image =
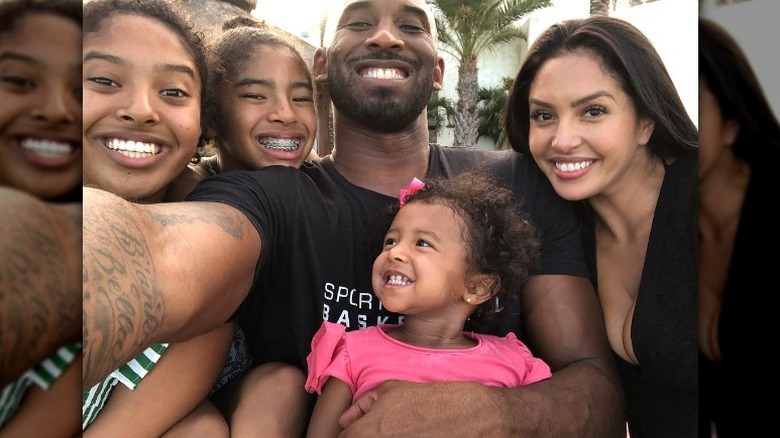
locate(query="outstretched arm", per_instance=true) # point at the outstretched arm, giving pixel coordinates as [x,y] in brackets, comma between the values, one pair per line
[40,303]
[158,273]
[583,398]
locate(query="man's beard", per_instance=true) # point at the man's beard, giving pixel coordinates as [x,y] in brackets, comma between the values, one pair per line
[382,109]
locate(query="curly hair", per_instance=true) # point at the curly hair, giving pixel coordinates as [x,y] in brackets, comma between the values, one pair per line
[500,239]
[170,13]
[243,21]
[12,11]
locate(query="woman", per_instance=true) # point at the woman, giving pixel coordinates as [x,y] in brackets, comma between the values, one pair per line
[595,107]
[740,140]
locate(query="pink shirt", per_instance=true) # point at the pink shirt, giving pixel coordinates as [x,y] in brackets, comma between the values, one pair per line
[365,358]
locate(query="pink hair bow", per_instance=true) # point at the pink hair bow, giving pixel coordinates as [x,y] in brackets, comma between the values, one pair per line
[413,188]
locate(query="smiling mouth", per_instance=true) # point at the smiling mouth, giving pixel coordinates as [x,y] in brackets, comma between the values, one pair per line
[382,73]
[397,280]
[280,144]
[571,167]
[133,149]
[48,148]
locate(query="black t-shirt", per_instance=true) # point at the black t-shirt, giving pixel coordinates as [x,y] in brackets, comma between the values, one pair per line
[320,235]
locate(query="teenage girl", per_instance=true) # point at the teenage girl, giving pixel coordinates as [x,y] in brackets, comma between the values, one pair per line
[143,100]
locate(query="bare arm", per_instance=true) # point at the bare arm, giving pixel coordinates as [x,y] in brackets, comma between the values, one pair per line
[52,412]
[158,273]
[270,397]
[335,399]
[583,398]
[180,381]
[40,304]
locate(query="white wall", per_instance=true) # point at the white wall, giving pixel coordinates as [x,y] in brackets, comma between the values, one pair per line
[673,28]
[671,25]
[503,61]
[755,27]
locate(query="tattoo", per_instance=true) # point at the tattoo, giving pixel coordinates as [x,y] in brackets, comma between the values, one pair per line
[230,224]
[39,301]
[123,308]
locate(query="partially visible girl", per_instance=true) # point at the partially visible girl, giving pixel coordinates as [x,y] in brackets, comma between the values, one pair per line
[144,79]
[40,119]
[263,112]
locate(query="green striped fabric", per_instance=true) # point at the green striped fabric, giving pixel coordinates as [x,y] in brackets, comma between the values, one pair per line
[129,374]
[44,375]
[10,397]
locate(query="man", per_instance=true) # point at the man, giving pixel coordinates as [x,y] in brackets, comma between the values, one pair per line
[281,249]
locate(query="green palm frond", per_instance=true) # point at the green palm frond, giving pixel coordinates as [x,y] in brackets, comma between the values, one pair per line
[469,27]
[440,108]
[492,103]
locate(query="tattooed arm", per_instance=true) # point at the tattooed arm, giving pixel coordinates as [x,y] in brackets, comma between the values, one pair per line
[40,257]
[158,273]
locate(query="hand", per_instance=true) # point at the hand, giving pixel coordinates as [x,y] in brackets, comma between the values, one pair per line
[403,409]
[360,406]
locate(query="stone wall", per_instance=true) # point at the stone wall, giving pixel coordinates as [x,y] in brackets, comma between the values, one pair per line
[210,14]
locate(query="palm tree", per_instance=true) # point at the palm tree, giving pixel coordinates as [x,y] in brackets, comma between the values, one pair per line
[439,110]
[325,135]
[599,7]
[467,28]
[492,103]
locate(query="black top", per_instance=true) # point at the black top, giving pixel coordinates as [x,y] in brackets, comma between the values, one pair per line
[320,235]
[662,392]
[734,392]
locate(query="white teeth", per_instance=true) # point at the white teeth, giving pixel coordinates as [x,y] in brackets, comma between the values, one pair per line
[398,280]
[46,147]
[280,144]
[571,167]
[382,73]
[133,149]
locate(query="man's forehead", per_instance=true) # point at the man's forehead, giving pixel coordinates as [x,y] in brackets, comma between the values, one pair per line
[339,7]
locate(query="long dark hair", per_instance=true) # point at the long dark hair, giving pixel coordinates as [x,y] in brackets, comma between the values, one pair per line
[630,58]
[730,78]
